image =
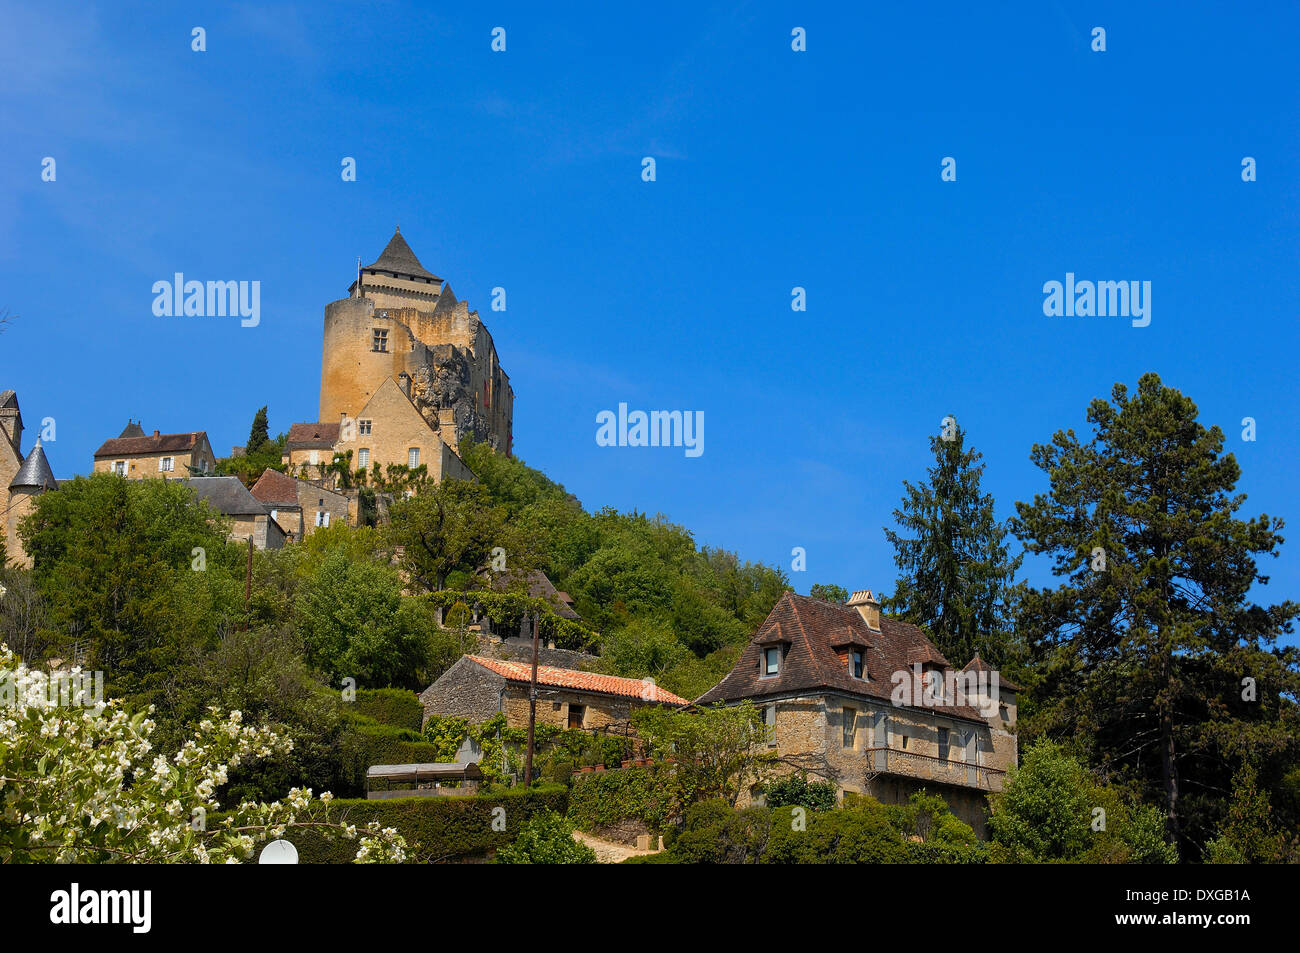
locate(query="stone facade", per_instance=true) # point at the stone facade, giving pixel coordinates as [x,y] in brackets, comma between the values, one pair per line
[869,704]
[22,479]
[477,688]
[402,324]
[166,456]
[389,431]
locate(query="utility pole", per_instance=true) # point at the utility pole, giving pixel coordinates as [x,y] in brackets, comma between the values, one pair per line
[532,711]
[248,581]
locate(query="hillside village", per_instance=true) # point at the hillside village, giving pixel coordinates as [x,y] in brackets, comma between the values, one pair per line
[403,561]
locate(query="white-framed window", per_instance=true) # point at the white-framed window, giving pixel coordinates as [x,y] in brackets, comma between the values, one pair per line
[363,457]
[363,427]
[166,464]
[119,467]
[771,661]
[322,518]
[314,458]
[413,457]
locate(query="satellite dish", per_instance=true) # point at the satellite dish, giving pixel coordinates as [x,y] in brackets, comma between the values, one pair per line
[278,852]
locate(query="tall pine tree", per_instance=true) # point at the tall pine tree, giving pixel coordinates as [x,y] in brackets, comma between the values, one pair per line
[956,571]
[1154,655]
[259,435]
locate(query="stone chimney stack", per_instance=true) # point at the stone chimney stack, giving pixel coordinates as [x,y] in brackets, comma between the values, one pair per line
[404,381]
[868,607]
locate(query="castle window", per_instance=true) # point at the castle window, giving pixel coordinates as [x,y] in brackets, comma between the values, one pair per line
[363,457]
[363,427]
[380,342]
[413,457]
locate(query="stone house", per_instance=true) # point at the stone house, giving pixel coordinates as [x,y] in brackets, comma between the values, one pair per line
[389,430]
[299,507]
[871,705]
[477,687]
[309,449]
[249,518]
[140,456]
[22,479]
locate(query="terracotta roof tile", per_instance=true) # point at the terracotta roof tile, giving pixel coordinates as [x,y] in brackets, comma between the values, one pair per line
[275,487]
[580,681]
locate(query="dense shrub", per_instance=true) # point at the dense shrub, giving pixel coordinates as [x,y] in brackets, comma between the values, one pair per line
[856,835]
[607,799]
[796,789]
[546,839]
[390,706]
[437,828]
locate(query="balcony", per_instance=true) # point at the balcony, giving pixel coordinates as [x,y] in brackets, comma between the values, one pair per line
[929,768]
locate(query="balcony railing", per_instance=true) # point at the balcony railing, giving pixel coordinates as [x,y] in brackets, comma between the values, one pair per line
[929,768]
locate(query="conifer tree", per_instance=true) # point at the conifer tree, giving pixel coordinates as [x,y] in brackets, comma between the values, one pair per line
[259,435]
[1155,657]
[956,569]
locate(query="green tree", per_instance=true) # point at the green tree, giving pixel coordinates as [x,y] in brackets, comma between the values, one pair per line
[1052,809]
[956,571]
[452,526]
[355,623]
[1144,646]
[1248,834]
[718,750]
[258,436]
[830,593]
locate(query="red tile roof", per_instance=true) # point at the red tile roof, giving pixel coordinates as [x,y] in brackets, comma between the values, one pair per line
[276,487]
[580,681]
[154,443]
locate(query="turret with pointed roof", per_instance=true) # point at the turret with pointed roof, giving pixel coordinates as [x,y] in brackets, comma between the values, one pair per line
[35,473]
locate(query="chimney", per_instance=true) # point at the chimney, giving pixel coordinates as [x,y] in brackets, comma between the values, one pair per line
[404,381]
[868,607]
[155,433]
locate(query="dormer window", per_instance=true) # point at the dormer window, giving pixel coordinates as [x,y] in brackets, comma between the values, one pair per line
[857,664]
[771,661]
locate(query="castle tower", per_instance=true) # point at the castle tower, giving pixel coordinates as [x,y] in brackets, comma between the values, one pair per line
[34,477]
[401,322]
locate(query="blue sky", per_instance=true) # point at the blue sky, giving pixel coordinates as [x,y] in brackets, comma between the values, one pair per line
[775,169]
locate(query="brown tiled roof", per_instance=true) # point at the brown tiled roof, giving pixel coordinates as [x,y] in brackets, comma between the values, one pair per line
[813,629]
[554,677]
[276,487]
[977,664]
[312,436]
[153,443]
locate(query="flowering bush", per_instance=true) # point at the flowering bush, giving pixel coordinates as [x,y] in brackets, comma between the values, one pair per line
[84,785]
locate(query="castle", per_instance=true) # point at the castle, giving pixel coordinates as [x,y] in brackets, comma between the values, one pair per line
[22,479]
[403,324]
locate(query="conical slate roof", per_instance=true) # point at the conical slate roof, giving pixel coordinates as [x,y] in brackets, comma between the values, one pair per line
[400,260]
[35,472]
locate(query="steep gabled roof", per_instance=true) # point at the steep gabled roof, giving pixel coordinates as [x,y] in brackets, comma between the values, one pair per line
[275,488]
[814,631]
[312,436]
[977,664]
[398,259]
[153,443]
[226,495]
[570,678]
[35,472]
[132,429]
